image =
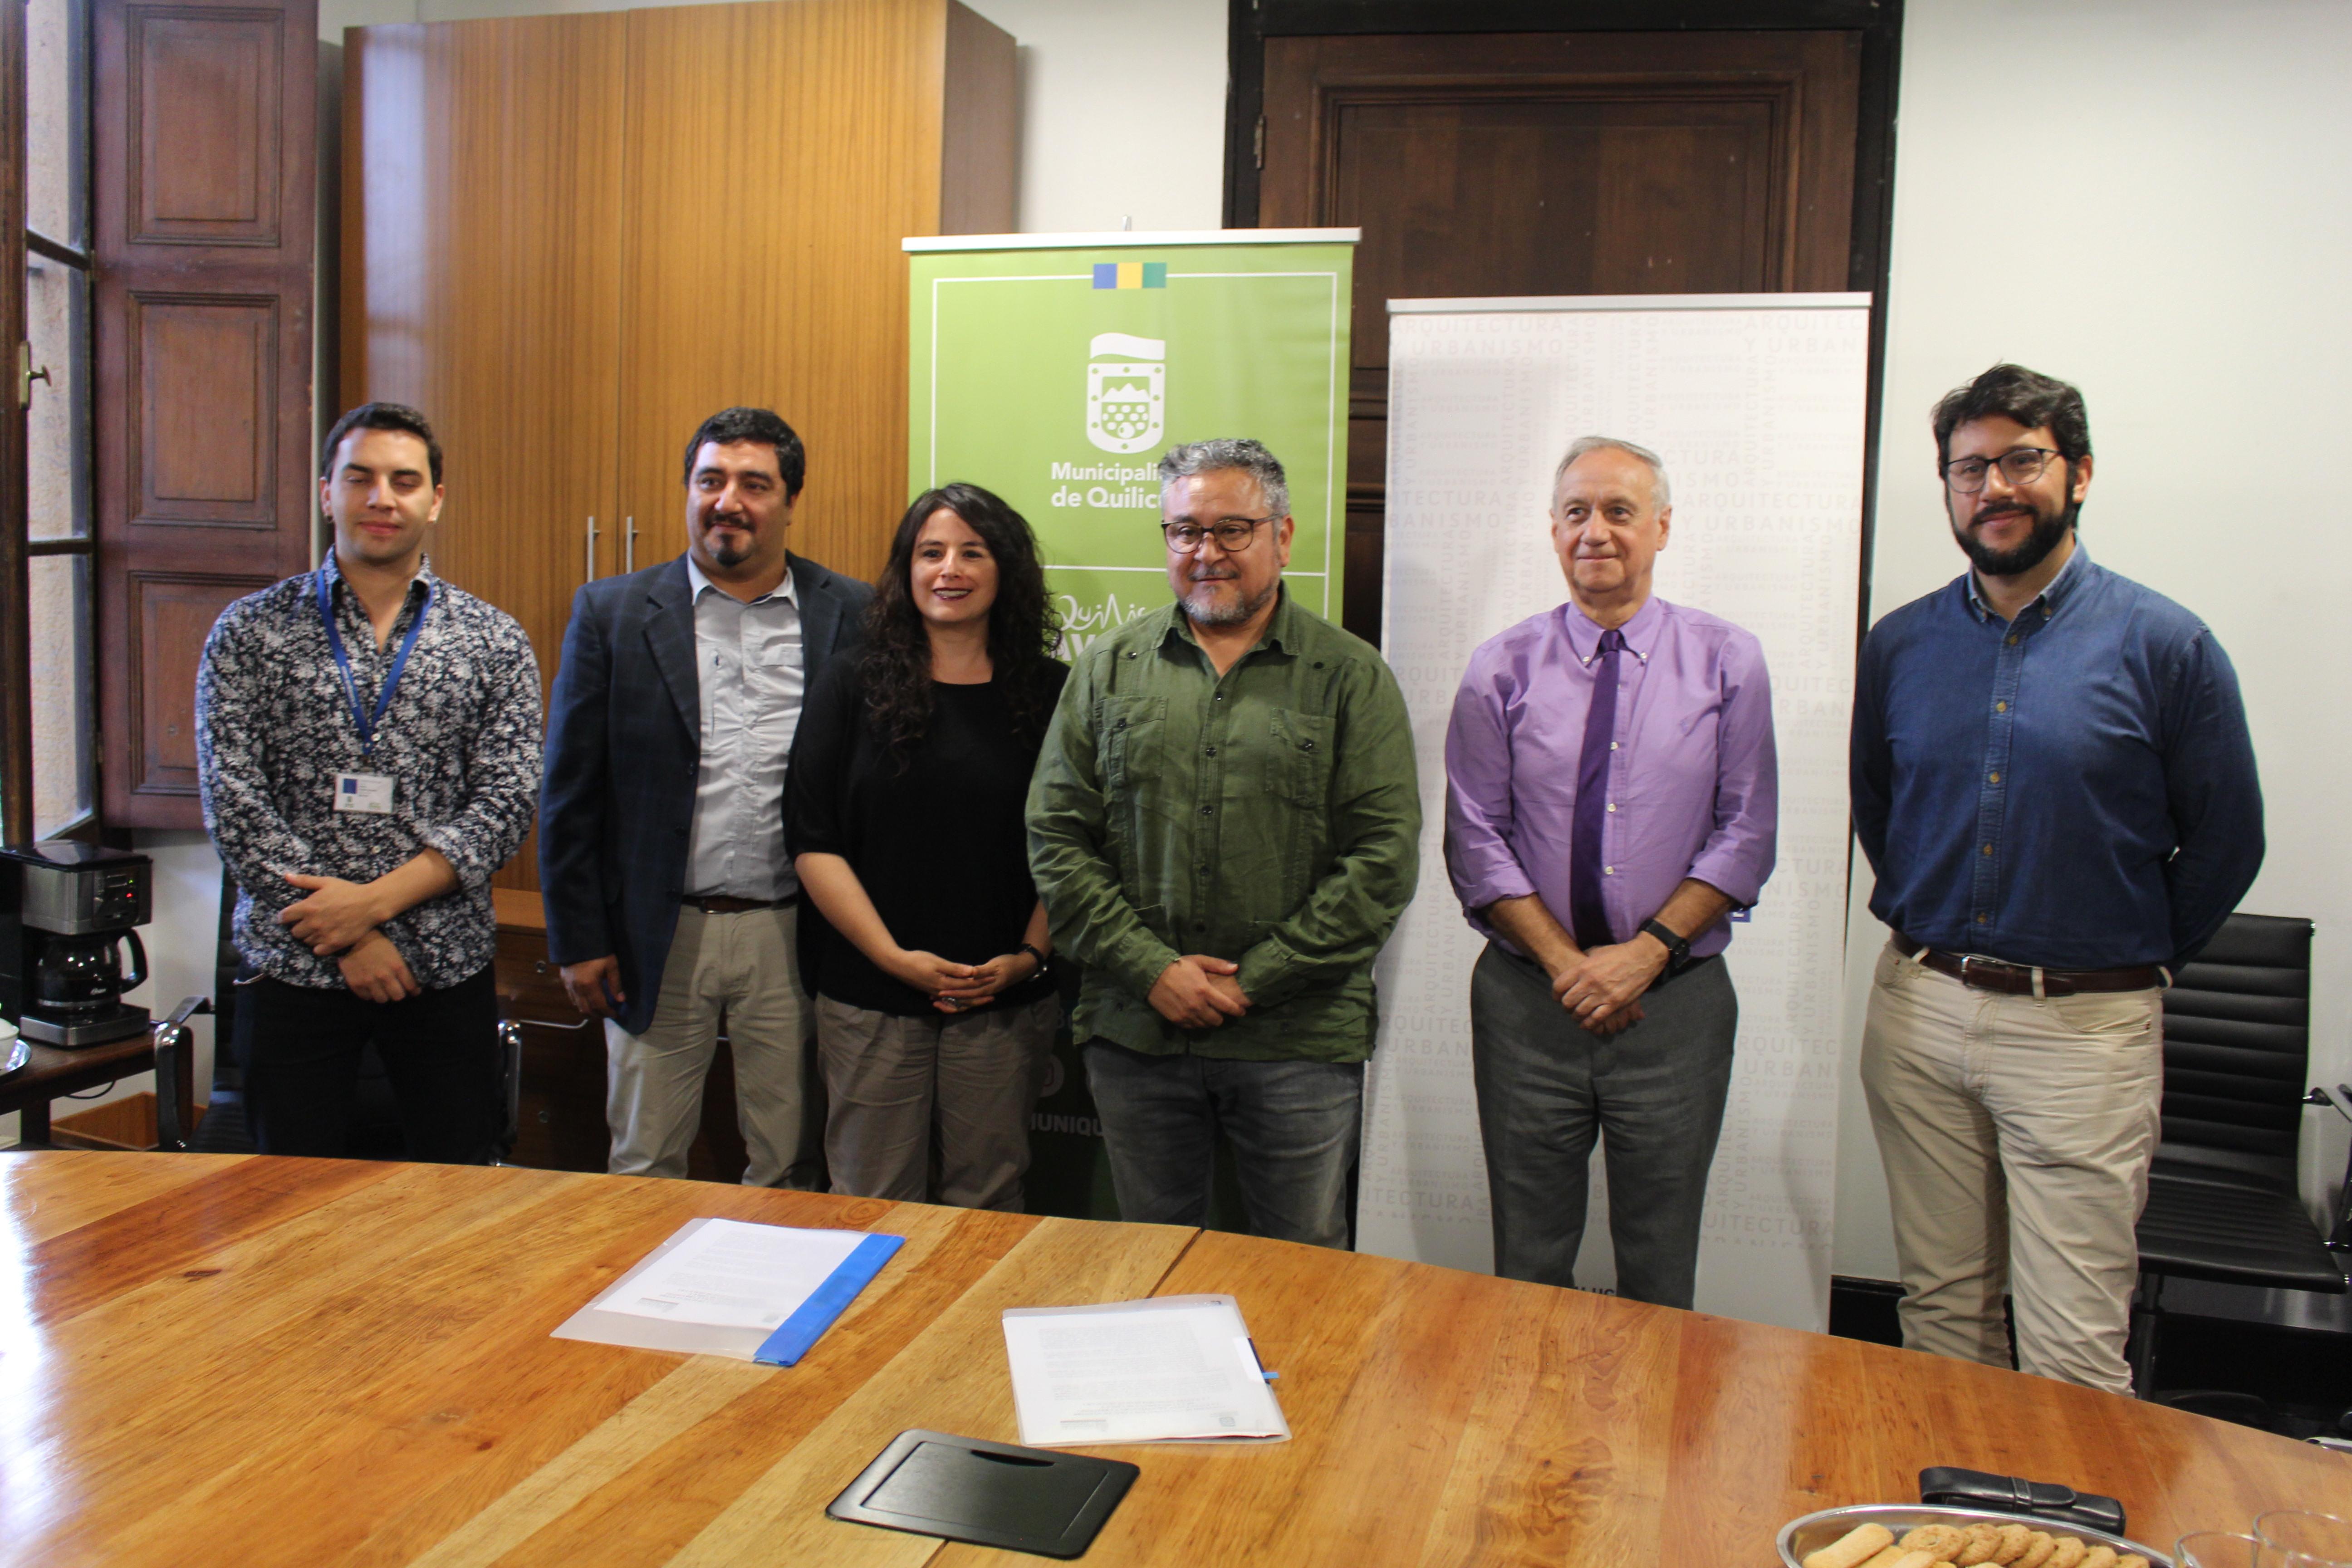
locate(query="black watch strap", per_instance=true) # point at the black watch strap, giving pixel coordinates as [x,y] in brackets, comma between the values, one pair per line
[1677,948]
[1031,950]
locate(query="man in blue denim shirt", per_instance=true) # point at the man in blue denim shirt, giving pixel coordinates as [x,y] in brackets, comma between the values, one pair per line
[2054,782]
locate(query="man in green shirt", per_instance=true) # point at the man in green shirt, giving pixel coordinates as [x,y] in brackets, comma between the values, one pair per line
[1224,827]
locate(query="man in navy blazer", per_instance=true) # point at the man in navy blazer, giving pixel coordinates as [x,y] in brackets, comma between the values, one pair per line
[671,906]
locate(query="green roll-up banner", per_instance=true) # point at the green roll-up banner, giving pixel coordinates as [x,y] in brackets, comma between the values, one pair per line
[1053,370]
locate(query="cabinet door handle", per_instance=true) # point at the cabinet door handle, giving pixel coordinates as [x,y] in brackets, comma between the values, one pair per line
[592,549]
[629,545]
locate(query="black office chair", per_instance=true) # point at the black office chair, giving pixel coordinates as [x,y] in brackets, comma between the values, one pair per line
[2223,1203]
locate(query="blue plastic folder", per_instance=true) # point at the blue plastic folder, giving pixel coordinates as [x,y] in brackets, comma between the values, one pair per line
[796,1333]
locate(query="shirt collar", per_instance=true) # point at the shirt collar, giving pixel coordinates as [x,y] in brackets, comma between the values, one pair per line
[2071,577]
[1280,632]
[422,583]
[697,582]
[1641,633]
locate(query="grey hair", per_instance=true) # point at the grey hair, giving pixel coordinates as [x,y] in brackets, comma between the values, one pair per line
[1181,462]
[1584,445]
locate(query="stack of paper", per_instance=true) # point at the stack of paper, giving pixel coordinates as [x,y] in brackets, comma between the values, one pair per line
[1176,1368]
[723,1287]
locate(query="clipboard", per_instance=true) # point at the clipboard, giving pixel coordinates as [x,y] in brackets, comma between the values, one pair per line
[989,1494]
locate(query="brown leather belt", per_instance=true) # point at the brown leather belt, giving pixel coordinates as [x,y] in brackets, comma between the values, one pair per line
[2016,979]
[720,904]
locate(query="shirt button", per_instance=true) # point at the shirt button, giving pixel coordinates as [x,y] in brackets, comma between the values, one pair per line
[2013,639]
[1987,849]
[1984,919]
[1212,751]
[1612,805]
[1994,777]
[1608,870]
[1612,745]
[1221,697]
[1208,811]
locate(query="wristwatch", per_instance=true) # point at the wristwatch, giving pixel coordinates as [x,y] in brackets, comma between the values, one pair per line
[1031,950]
[1677,948]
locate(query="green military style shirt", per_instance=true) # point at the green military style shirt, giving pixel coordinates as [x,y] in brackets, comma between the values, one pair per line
[1270,817]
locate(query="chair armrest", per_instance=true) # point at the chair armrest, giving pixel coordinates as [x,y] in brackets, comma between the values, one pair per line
[510,1085]
[175,1073]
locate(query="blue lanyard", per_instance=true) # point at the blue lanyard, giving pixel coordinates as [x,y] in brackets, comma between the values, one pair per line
[359,716]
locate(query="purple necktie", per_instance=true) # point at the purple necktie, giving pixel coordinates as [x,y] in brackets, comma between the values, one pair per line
[1585,912]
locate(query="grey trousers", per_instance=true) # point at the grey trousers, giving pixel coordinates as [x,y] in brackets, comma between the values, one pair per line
[889,1080]
[1653,1094]
[738,971]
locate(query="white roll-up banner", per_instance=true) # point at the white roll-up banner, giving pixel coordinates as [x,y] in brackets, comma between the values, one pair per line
[1756,403]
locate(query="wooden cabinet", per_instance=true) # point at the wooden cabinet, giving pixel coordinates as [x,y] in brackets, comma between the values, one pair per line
[569,238]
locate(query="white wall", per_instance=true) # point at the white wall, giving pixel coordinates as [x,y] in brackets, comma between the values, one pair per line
[2150,198]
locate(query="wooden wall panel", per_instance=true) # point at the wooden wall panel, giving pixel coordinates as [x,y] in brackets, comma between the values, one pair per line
[202,129]
[763,205]
[170,615]
[482,268]
[205,131]
[205,447]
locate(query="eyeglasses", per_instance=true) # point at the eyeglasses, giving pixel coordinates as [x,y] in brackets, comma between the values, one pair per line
[1233,534]
[2019,466]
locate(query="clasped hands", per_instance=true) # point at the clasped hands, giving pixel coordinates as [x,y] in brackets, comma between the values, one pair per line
[1199,992]
[337,919]
[960,988]
[1602,987]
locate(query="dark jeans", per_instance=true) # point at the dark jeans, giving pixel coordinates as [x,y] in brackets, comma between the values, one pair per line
[1293,1127]
[301,1047]
[1654,1094]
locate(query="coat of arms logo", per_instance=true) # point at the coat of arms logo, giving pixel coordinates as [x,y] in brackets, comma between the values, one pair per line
[1126,391]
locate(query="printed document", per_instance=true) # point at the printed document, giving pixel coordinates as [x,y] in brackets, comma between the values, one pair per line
[735,1275]
[1172,1370]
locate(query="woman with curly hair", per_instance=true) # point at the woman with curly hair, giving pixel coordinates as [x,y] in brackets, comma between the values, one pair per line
[903,813]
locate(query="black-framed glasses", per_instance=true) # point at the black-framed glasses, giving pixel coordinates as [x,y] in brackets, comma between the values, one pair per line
[2019,466]
[1233,534]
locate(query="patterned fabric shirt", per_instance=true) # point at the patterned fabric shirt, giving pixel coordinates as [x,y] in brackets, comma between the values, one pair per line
[460,742]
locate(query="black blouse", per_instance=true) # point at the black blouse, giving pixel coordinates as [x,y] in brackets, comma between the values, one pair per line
[938,839]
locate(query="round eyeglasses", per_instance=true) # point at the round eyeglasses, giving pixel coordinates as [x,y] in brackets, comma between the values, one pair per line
[2019,466]
[1233,534]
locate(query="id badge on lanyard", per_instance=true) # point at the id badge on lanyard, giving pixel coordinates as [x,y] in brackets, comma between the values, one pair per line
[367,793]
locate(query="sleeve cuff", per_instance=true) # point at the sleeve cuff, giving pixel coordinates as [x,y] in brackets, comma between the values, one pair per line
[1268,972]
[1730,873]
[458,848]
[1140,963]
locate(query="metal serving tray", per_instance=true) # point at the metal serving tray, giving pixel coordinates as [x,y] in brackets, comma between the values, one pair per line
[1815,1531]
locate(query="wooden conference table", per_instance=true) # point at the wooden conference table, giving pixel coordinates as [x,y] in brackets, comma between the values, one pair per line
[251,1361]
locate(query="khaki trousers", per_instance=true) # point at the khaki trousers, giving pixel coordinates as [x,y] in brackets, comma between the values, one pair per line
[2016,1132]
[738,971]
[888,1081]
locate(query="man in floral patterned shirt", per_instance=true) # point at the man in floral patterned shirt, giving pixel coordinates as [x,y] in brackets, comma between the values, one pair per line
[368,743]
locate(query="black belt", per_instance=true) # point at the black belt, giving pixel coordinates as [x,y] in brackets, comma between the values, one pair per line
[722,904]
[2021,979]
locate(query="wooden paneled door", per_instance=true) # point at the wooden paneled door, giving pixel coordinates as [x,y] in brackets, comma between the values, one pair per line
[203,135]
[1549,164]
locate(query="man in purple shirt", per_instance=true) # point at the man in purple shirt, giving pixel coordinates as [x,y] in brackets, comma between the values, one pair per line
[1611,796]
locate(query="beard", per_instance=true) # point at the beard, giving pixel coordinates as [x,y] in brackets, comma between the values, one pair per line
[1203,606]
[2049,530]
[729,555]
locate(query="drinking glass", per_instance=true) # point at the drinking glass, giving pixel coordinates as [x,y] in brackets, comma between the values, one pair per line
[2216,1549]
[2298,1538]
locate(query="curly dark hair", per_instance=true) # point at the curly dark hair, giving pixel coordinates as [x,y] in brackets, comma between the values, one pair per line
[1023,628]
